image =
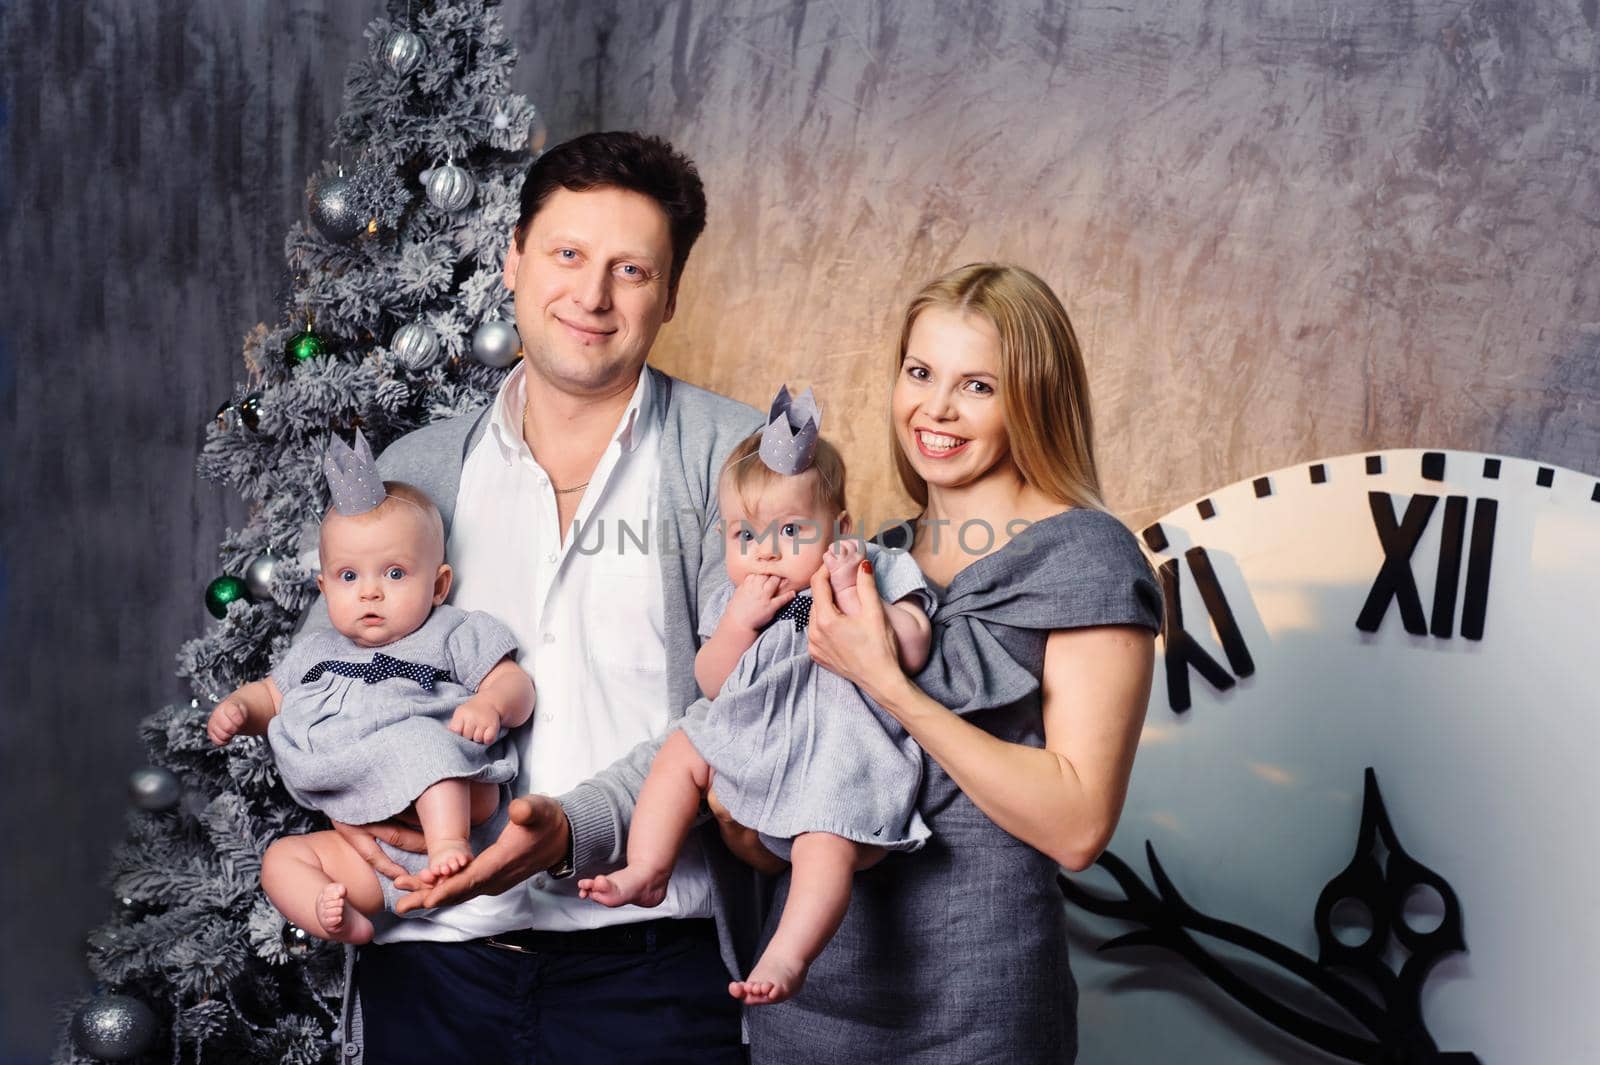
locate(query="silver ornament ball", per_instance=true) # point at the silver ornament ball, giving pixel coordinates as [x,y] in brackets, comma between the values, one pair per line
[114,1028]
[258,577]
[334,210]
[154,788]
[450,188]
[416,345]
[296,941]
[496,344]
[403,51]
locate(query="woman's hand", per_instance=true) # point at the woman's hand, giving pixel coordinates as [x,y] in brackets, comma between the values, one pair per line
[745,843]
[860,648]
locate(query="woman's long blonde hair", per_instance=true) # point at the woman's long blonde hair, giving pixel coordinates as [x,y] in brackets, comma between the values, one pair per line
[1042,380]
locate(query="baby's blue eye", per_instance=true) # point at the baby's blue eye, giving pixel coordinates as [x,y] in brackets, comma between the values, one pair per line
[744,535]
[567,254]
[396,573]
[790,530]
[347,575]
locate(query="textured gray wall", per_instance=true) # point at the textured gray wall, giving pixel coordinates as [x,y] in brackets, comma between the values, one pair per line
[1285,231]
[155,154]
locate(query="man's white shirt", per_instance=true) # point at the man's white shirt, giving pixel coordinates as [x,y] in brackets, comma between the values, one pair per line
[587,614]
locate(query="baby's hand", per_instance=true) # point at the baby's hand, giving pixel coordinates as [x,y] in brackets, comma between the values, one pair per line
[476,721]
[757,601]
[227,718]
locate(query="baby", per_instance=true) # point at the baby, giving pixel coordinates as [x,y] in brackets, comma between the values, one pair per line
[826,778]
[364,736]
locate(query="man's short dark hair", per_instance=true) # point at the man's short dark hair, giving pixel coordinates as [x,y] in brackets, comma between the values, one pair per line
[622,160]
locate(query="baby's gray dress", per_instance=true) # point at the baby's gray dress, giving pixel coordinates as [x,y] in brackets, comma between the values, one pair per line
[958,954]
[361,752]
[798,749]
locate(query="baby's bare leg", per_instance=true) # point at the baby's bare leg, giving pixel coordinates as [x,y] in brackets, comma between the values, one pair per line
[667,805]
[321,884]
[819,894]
[485,800]
[445,809]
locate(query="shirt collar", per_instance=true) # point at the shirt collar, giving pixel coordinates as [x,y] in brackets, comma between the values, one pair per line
[505,424]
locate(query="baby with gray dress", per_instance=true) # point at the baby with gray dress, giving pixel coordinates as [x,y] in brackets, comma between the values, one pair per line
[827,779]
[398,710]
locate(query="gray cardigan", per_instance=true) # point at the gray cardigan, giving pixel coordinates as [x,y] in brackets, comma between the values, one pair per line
[699,429]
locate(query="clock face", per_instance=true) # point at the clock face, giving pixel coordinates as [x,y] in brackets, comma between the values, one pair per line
[1424,614]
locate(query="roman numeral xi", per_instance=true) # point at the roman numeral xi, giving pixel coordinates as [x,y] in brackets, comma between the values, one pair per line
[1182,650]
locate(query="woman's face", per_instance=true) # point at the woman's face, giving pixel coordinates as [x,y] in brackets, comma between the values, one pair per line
[948,416]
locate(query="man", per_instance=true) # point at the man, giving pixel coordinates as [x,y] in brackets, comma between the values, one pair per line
[582,432]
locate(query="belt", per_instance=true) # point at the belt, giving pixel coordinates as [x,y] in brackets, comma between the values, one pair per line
[637,938]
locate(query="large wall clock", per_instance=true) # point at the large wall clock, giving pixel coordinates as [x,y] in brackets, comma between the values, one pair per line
[1360,825]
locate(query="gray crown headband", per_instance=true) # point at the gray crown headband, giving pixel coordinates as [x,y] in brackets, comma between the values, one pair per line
[789,441]
[353,476]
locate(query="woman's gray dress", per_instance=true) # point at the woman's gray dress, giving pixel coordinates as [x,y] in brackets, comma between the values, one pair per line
[958,953]
[363,751]
[799,749]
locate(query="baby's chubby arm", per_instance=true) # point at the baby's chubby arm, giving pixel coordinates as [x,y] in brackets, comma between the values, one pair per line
[247,710]
[504,699]
[754,604]
[913,633]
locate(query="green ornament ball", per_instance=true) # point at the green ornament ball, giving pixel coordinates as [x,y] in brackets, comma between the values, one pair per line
[305,345]
[221,592]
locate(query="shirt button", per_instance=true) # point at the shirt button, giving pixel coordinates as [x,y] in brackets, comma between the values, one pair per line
[550,558]
[549,637]
[543,480]
[541,881]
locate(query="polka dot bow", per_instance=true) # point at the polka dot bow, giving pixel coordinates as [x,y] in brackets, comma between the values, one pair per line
[382,667]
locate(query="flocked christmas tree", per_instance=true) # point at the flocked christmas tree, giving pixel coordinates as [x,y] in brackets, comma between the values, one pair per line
[398,317]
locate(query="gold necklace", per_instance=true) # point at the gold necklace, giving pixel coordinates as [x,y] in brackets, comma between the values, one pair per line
[558,491]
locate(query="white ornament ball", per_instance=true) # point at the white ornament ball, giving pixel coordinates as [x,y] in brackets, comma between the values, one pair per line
[416,345]
[450,188]
[496,344]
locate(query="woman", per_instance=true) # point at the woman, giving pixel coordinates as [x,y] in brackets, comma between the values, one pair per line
[1029,710]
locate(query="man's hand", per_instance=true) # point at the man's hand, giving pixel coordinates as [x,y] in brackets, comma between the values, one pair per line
[476,720]
[756,601]
[536,839]
[364,838]
[227,718]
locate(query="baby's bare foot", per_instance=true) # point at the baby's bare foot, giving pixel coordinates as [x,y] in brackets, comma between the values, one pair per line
[639,886]
[341,922]
[771,981]
[447,857]
[842,559]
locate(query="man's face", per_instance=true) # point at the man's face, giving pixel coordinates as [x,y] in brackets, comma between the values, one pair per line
[591,284]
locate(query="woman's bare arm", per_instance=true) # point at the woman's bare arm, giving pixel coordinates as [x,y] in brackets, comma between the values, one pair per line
[1063,799]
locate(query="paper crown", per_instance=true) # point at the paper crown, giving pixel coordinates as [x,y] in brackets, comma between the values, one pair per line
[353,476]
[789,441]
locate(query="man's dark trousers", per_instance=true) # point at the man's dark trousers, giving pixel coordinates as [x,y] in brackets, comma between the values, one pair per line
[663,1001]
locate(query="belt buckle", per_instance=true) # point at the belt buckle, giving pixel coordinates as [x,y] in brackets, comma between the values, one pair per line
[493,942]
